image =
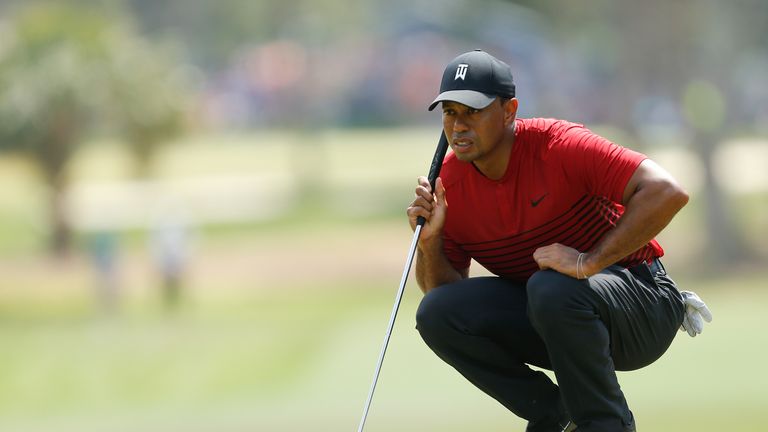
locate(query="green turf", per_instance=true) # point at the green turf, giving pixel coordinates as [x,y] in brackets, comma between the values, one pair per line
[302,360]
[285,317]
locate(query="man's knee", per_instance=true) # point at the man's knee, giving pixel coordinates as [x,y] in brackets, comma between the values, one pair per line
[431,316]
[548,294]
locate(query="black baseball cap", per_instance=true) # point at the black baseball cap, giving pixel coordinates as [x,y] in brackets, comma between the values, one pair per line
[475,79]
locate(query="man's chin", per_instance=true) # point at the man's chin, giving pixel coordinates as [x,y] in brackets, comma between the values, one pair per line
[464,157]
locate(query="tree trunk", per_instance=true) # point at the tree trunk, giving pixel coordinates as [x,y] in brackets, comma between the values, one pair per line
[61,229]
[726,245]
[52,157]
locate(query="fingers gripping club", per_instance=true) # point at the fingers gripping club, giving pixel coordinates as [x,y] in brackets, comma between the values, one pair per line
[434,169]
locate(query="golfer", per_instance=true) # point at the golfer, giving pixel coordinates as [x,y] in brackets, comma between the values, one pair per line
[565,220]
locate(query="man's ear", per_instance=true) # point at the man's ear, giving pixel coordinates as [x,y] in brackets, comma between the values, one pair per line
[510,111]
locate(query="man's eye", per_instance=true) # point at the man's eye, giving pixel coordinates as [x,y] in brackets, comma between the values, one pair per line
[473,111]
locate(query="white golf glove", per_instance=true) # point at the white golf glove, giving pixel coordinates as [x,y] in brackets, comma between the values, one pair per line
[696,312]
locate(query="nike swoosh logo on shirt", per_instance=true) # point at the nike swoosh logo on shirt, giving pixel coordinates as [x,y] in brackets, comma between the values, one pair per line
[534,203]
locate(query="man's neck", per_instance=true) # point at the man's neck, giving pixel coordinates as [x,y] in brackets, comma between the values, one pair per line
[496,166]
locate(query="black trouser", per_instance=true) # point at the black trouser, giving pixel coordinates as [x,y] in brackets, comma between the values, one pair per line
[490,329]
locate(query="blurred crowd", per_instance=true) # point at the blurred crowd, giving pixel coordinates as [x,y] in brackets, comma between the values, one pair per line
[331,64]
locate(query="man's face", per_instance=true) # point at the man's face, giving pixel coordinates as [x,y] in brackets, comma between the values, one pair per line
[475,134]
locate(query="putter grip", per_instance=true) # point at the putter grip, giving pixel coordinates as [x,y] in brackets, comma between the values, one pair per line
[434,169]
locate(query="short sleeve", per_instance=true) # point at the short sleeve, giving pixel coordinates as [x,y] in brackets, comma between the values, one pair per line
[604,168]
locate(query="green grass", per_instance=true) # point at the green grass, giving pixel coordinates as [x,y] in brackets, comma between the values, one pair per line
[301,359]
[75,365]
[284,318]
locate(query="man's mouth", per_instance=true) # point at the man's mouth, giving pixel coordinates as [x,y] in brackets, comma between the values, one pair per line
[461,144]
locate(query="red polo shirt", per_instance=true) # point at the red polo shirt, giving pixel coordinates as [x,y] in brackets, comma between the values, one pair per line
[563,185]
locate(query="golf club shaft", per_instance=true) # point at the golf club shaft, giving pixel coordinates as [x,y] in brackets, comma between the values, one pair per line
[398,299]
[434,171]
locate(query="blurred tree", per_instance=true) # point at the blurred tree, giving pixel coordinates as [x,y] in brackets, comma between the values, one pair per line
[215,32]
[49,77]
[64,70]
[147,97]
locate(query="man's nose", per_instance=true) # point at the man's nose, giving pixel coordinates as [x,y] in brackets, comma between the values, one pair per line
[459,125]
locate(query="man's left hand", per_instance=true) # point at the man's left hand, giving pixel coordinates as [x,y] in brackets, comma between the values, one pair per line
[560,258]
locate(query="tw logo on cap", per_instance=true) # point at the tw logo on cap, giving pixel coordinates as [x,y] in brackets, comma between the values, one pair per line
[461,71]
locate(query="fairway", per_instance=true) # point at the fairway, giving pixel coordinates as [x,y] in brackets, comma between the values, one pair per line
[283,313]
[299,356]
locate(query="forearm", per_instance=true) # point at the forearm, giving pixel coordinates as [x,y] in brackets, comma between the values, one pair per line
[432,266]
[647,212]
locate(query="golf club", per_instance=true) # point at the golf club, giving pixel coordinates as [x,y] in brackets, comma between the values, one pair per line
[434,171]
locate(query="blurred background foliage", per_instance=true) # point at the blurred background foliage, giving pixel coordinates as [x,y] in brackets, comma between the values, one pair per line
[66,72]
[186,187]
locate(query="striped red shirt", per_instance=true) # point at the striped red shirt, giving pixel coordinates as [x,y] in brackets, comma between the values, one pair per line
[563,184]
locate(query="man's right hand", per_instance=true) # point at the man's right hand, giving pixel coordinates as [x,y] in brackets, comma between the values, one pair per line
[430,207]
[432,266]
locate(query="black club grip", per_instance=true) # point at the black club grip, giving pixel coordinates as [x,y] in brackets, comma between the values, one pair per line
[434,169]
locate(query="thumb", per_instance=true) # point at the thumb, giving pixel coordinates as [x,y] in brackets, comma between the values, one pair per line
[440,193]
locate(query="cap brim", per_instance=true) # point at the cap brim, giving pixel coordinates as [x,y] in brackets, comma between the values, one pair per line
[470,98]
